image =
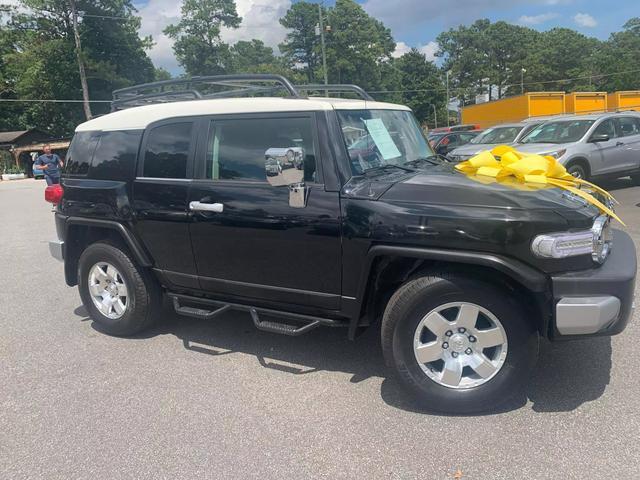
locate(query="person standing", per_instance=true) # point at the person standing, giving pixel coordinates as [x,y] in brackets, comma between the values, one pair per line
[50,164]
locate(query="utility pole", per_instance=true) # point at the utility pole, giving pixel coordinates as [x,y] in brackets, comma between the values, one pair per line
[447,103]
[522,72]
[83,75]
[324,53]
[435,115]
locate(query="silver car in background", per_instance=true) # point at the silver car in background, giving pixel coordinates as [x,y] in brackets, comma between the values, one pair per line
[499,135]
[596,145]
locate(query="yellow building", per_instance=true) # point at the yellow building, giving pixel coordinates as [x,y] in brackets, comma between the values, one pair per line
[514,109]
[624,100]
[585,102]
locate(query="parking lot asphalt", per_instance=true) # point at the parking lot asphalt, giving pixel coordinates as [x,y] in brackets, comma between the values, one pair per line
[219,399]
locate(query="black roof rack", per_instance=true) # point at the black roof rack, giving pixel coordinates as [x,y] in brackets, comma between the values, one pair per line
[336,88]
[196,88]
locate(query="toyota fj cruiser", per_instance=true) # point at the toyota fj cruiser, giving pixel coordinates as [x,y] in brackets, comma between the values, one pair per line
[308,212]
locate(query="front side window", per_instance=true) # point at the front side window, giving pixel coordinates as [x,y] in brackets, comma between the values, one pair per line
[375,138]
[167,151]
[274,149]
[564,131]
[606,128]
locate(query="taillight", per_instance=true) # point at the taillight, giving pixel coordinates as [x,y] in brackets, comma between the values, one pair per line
[53,194]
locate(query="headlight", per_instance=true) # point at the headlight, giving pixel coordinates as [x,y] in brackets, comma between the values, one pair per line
[557,154]
[597,242]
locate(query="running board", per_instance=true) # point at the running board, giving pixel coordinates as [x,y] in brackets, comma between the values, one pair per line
[310,322]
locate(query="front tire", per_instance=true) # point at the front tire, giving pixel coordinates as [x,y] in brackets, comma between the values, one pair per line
[121,298]
[635,178]
[578,171]
[458,344]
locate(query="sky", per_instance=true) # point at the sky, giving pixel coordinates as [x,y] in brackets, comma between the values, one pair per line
[414,23]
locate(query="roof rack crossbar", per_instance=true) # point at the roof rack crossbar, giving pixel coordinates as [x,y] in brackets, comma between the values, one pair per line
[337,88]
[130,95]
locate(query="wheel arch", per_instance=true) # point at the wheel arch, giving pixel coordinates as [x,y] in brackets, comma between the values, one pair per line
[389,267]
[82,232]
[583,162]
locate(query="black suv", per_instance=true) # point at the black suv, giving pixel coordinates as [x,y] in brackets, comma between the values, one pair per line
[308,212]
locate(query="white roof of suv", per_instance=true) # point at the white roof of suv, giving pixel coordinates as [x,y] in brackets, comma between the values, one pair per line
[138,118]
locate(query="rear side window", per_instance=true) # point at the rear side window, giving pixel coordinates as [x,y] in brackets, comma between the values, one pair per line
[80,153]
[628,126]
[115,156]
[167,151]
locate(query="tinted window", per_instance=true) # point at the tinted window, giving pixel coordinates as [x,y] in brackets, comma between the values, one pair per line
[498,135]
[80,153]
[115,155]
[167,151]
[605,128]
[628,126]
[238,149]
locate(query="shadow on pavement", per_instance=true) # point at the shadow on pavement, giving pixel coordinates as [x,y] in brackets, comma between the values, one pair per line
[567,375]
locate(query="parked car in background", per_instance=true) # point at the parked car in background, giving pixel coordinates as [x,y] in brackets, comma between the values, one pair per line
[491,137]
[456,128]
[37,172]
[597,145]
[444,143]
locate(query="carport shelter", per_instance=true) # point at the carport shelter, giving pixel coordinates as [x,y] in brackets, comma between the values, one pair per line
[22,143]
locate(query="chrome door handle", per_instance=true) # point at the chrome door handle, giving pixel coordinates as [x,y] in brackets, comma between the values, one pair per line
[206,207]
[619,144]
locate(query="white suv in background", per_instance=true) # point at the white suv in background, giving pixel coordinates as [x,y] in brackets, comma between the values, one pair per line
[597,145]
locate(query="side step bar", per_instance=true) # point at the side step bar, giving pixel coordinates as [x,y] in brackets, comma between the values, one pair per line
[310,322]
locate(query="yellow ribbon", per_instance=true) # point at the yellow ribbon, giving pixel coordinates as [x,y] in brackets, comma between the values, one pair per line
[519,169]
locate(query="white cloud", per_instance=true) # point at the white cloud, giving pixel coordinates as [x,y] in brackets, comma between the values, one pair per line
[260,19]
[585,20]
[429,50]
[401,49]
[537,19]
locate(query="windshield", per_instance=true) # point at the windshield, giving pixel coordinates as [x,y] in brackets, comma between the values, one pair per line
[377,138]
[498,135]
[565,131]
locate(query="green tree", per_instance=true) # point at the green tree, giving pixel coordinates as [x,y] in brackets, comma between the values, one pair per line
[422,89]
[562,54]
[250,56]
[620,53]
[301,45]
[198,46]
[41,63]
[357,46]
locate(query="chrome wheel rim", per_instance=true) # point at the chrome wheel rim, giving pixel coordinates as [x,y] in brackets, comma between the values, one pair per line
[108,290]
[460,345]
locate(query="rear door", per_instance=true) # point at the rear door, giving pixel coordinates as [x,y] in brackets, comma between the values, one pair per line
[248,240]
[629,142]
[161,192]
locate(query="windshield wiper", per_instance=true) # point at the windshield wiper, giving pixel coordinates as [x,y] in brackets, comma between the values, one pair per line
[387,165]
[432,159]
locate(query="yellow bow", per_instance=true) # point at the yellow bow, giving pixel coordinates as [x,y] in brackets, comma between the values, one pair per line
[518,167]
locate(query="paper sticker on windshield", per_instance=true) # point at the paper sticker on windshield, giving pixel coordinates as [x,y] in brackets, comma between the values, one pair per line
[382,139]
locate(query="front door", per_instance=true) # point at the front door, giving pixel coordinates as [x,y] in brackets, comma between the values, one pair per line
[248,240]
[605,156]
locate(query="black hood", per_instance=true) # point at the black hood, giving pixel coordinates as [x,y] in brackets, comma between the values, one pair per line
[443,185]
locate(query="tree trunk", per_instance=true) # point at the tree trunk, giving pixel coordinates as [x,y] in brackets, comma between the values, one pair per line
[83,75]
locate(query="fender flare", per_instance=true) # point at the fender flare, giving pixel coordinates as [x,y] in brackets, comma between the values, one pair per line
[530,278]
[136,248]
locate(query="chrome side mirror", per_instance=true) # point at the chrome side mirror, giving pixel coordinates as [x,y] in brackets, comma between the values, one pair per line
[298,193]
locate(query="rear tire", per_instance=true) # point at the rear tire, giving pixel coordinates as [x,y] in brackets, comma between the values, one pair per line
[121,298]
[635,178]
[488,376]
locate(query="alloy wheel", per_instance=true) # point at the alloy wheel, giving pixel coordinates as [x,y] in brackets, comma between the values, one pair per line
[108,290]
[460,345]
